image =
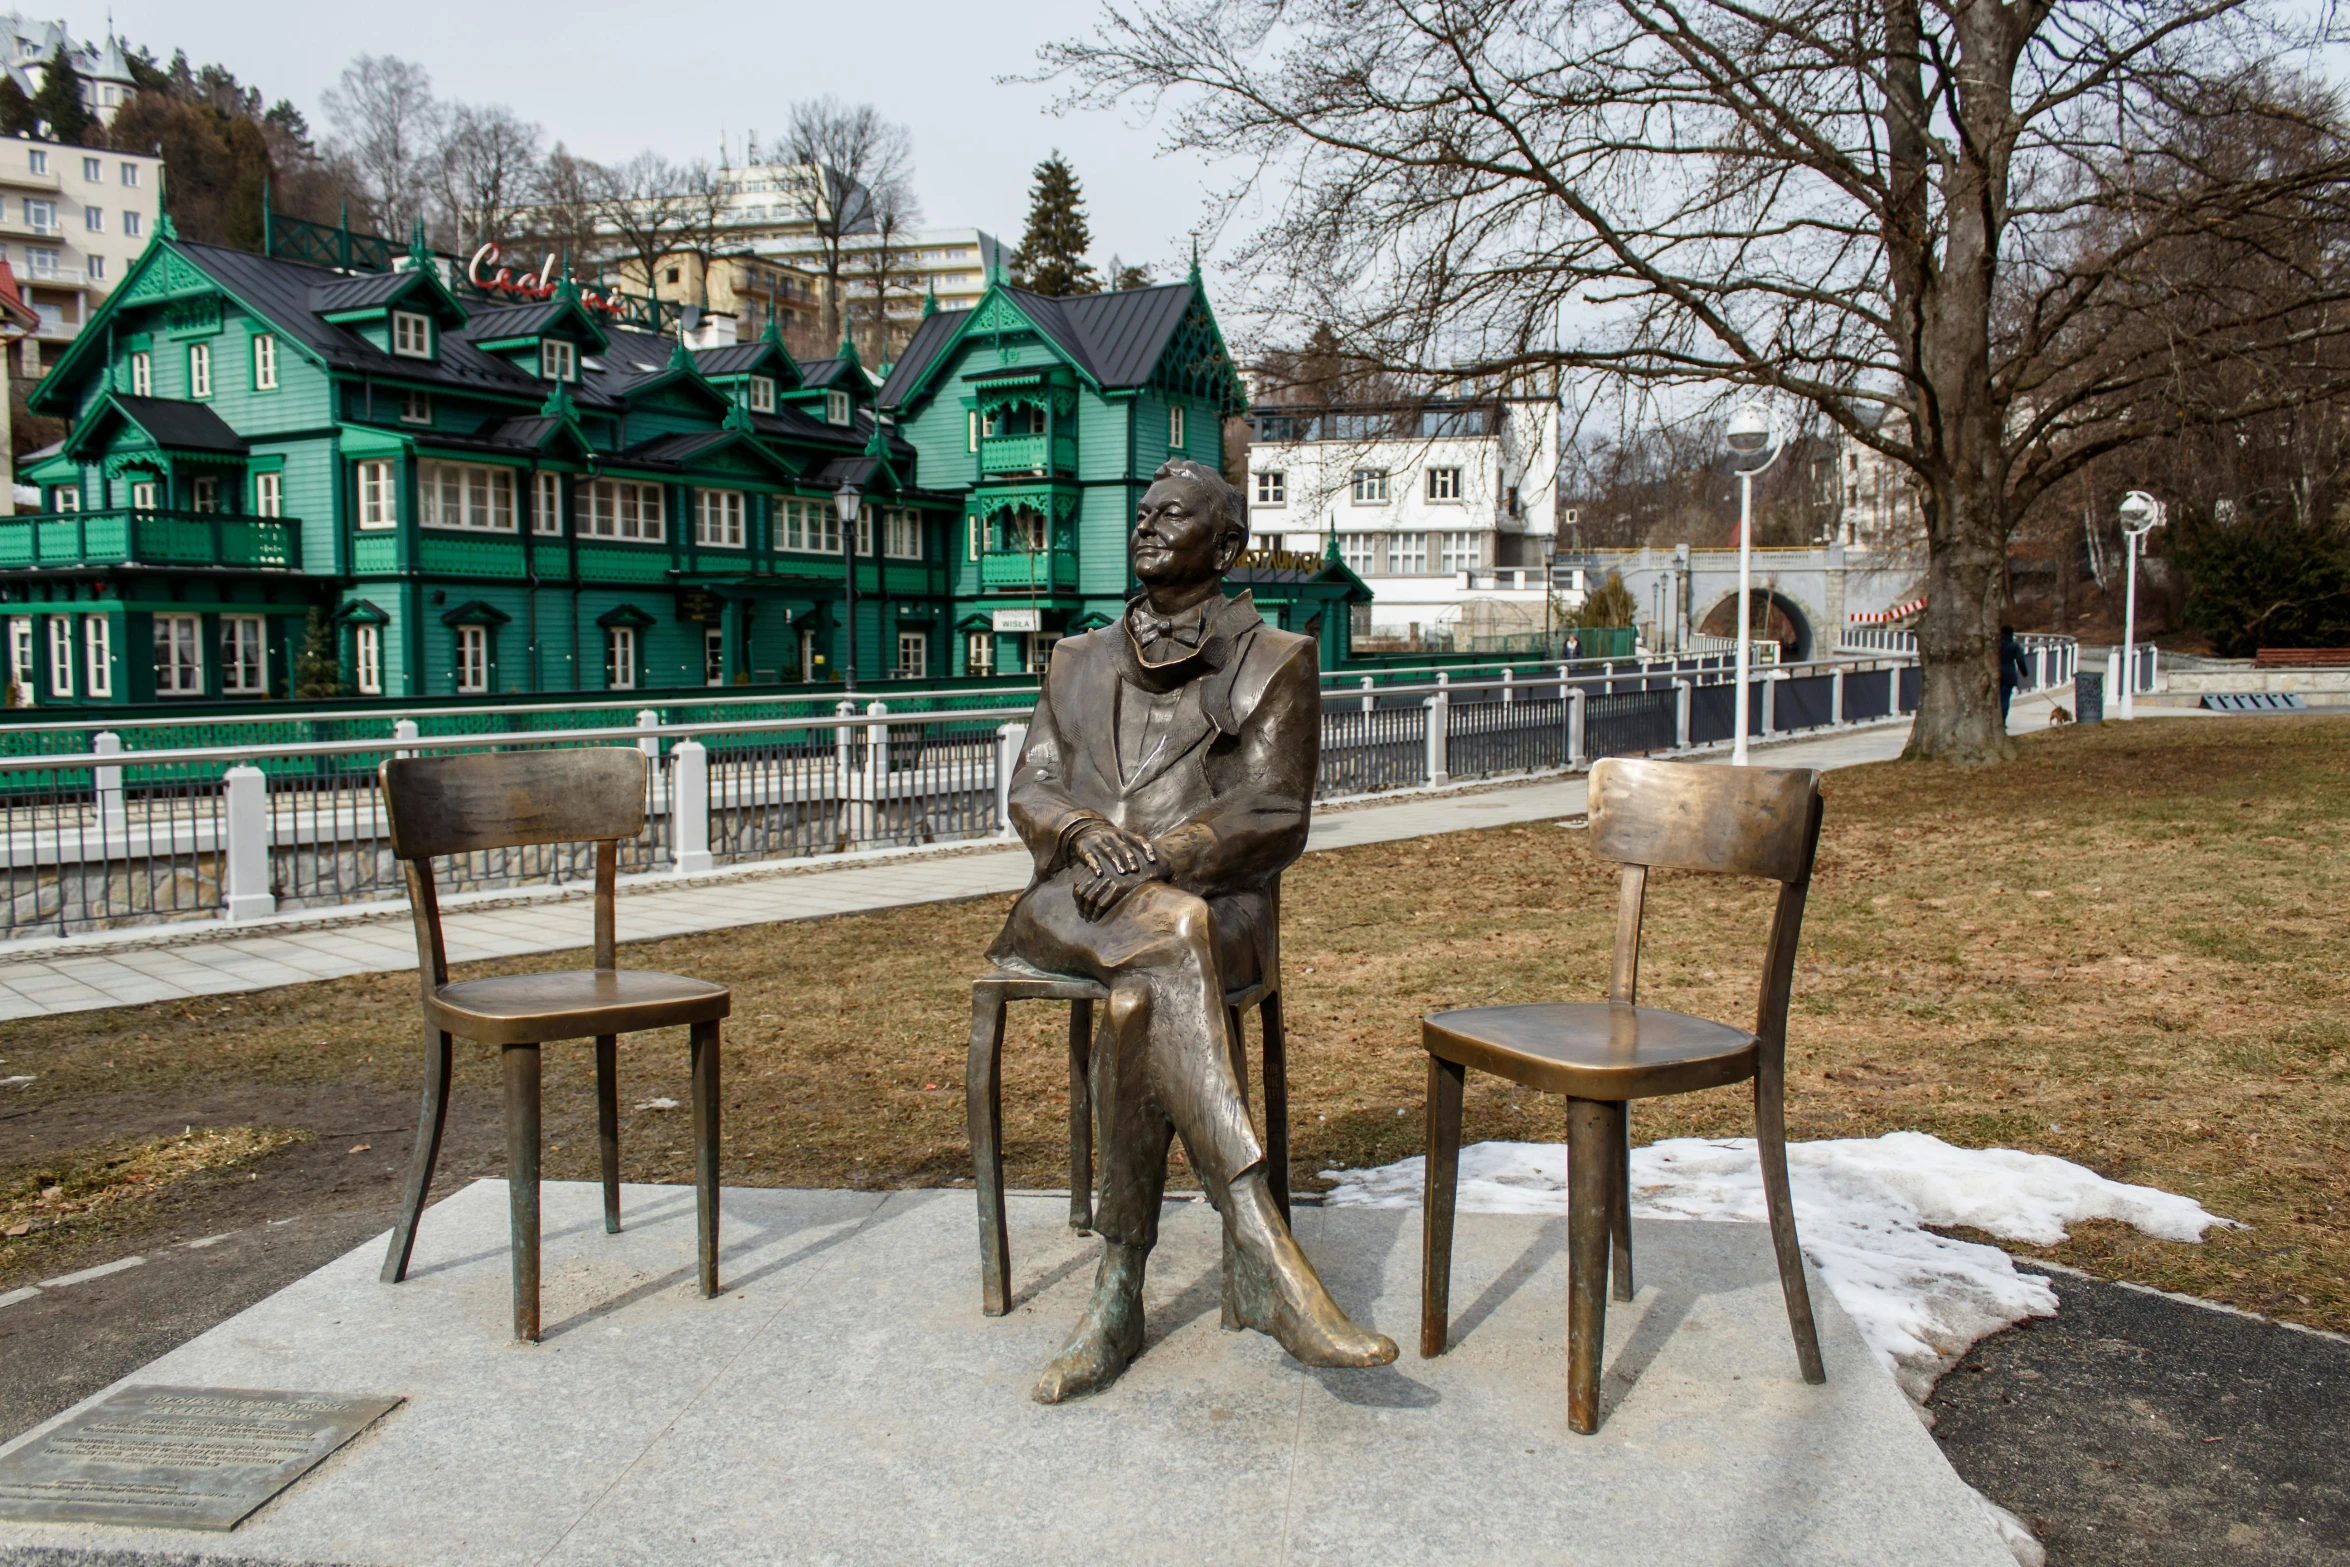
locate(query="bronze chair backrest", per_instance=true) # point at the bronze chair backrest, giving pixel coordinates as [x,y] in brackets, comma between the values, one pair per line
[459,804]
[1737,821]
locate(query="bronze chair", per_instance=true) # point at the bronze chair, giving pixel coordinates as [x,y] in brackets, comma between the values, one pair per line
[1740,821]
[983,1093]
[464,804]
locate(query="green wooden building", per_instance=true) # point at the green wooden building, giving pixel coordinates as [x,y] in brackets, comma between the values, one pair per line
[461,492]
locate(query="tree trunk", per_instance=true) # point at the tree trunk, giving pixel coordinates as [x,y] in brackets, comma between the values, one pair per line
[1958,634]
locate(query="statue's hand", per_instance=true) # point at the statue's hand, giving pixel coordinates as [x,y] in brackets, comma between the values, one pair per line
[1097,896]
[1108,850]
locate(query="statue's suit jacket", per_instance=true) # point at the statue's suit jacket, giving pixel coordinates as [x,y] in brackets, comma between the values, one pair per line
[1226,797]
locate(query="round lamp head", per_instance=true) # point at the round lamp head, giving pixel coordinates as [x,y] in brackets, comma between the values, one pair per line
[1749,431]
[844,501]
[2140,512]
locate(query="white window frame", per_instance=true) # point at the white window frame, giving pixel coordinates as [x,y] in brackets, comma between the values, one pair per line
[20,653]
[199,370]
[472,663]
[65,498]
[620,509]
[1407,555]
[61,655]
[130,176]
[142,373]
[244,655]
[1360,552]
[379,494]
[415,405]
[367,658]
[473,497]
[713,655]
[719,519]
[916,643]
[558,360]
[1369,487]
[36,161]
[1273,487]
[41,217]
[974,528]
[94,219]
[620,658]
[1460,552]
[411,334]
[901,533]
[1444,486]
[269,495]
[204,493]
[95,266]
[971,430]
[179,655]
[97,656]
[1175,427]
[546,504]
[94,170]
[265,361]
[979,654]
[836,408]
[144,495]
[762,394]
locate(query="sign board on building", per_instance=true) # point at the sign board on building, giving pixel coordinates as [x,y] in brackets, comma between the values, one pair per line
[1016,620]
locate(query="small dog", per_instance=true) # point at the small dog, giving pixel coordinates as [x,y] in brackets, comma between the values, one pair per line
[2059,715]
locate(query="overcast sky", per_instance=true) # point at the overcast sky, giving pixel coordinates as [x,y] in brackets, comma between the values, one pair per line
[612,79]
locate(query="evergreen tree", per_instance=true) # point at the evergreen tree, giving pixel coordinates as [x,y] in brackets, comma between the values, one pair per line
[60,100]
[248,179]
[1123,277]
[318,672]
[16,110]
[1051,257]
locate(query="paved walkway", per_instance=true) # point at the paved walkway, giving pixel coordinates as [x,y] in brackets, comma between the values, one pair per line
[124,968]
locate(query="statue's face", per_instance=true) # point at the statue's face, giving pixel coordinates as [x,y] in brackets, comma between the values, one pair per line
[1175,542]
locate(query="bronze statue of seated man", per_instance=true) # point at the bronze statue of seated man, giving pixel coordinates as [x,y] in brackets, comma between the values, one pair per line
[1166,781]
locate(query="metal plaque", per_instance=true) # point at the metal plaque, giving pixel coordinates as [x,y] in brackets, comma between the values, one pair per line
[179,1457]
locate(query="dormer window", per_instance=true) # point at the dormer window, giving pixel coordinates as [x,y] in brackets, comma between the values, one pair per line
[411,335]
[558,361]
[762,394]
[836,408]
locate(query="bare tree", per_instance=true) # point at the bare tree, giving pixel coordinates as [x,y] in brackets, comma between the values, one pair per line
[487,167]
[845,155]
[1866,210]
[386,128]
[656,210]
[561,214]
[895,212]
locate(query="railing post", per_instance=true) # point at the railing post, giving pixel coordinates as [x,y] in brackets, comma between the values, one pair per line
[1508,690]
[404,729]
[1439,709]
[2153,669]
[1578,702]
[114,817]
[1566,673]
[1770,701]
[2113,677]
[1683,701]
[1609,669]
[245,893]
[1369,702]
[2040,668]
[648,720]
[1836,695]
[1893,689]
[689,808]
[877,747]
[1008,742]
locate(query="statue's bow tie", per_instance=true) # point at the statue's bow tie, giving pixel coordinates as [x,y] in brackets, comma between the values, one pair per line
[1189,628]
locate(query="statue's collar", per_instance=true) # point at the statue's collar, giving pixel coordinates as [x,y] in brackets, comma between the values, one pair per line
[1228,620]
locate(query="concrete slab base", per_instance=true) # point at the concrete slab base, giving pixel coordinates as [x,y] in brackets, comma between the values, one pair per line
[845,1401]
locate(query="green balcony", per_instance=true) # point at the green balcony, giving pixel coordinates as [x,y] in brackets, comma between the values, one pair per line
[1042,570]
[124,537]
[1027,454]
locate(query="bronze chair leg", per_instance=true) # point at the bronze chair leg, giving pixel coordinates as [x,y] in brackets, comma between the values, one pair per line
[608,1125]
[1276,1102]
[1590,1163]
[439,1053]
[1236,1044]
[983,1109]
[522,1183]
[1445,1081]
[1081,1117]
[704,1047]
[1620,1201]
[1770,1138]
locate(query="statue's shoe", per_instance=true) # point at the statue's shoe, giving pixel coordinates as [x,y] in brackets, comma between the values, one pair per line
[1108,1337]
[1277,1292]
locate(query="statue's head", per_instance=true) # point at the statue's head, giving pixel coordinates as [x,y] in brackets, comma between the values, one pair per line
[1190,527]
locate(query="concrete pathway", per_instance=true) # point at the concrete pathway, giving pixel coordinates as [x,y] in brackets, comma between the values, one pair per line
[163,963]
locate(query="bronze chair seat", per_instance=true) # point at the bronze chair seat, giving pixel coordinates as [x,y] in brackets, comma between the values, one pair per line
[516,1009]
[1594,1049]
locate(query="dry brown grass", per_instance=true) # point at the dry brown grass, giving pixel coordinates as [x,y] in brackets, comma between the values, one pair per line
[94,1180]
[2124,949]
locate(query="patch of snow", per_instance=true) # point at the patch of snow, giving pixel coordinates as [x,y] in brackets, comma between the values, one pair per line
[2014,1533]
[658,1104]
[1862,1207]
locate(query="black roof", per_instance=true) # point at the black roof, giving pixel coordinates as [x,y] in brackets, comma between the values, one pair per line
[735,358]
[525,320]
[183,427]
[359,292]
[1117,339]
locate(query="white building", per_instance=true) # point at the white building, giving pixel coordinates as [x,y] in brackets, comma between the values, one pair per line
[27,44]
[954,266]
[72,220]
[1447,508]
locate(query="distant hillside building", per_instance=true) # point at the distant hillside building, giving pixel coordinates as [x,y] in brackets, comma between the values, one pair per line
[27,44]
[73,222]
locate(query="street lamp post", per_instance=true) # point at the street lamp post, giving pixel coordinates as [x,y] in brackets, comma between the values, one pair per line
[1749,434]
[2141,515]
[845,501]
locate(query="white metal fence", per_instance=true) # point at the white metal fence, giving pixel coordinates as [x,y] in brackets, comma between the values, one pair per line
[109,837]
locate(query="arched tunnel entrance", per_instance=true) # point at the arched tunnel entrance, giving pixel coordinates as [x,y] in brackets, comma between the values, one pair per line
[1773,616]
